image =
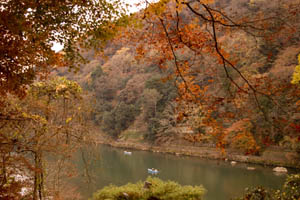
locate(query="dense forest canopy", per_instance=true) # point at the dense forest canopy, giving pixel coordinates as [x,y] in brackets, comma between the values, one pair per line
[229,65]
[29,28]
[198,72]
[224,61]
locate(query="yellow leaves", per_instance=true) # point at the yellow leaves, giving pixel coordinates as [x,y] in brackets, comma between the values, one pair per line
[68,120]
[57,87]
[157,8]
[25,115]
[34,117]
[179,5]
[296,74]
[60,88]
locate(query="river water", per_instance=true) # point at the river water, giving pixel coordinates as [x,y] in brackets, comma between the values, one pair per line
[221,180]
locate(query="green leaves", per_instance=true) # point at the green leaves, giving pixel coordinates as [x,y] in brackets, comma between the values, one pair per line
[290,191]
[119,119]
[158,189]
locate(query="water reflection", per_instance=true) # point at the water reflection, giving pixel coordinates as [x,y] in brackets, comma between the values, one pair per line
[222,180]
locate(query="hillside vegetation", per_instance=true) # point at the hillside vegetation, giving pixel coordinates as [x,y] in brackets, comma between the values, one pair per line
[138,98]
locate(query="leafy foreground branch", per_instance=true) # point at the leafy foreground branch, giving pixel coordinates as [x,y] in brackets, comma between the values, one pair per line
[152,189]
[290,191]
[156,189]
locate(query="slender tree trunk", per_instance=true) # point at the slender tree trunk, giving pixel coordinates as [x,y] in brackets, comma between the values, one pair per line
[64,119]
[86,165]
[38,189]
[35,179]
[4,179]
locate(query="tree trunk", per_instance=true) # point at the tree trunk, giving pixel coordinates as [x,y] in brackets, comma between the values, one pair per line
[38,177]
[4,179]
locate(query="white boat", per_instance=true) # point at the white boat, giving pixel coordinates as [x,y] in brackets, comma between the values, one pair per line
[127,152]
[152,171]
[280,170]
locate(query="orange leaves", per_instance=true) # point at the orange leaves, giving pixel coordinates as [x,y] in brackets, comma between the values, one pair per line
[239,126]
[298,105]
[296,127]
[207,1]
[246,142]
[194,36]
[194,137]
[180,116]
[140,52]
[239,136]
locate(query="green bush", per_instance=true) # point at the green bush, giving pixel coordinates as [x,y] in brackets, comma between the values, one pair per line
[290,191]
[156,190]
[291,188]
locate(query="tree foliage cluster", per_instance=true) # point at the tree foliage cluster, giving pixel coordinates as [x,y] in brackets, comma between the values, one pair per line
[153,188]
[289,191]
[126,90]
[42,117]
[51,121]
[29,29]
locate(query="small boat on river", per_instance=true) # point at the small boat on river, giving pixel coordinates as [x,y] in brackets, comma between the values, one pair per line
[127,152]
[152,171]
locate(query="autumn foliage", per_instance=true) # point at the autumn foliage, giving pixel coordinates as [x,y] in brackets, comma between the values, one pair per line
[205,72]
[225,63]
[28,30]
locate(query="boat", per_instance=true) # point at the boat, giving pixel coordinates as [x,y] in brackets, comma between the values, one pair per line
[127,152]
[280,170]
[152,171]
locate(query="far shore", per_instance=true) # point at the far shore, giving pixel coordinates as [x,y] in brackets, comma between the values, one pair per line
[270,157]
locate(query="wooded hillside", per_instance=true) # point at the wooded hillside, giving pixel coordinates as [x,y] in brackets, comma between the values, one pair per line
[181,73]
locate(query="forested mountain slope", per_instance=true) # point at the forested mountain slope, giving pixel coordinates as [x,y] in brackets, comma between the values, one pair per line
[141,93]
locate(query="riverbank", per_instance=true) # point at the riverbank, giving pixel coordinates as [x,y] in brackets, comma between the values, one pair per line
[270,157]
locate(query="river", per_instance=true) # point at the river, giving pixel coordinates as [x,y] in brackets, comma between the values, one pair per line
[221,180]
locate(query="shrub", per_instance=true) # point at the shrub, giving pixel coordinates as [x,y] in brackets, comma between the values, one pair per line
[291,188]
[157,189]
[290,191]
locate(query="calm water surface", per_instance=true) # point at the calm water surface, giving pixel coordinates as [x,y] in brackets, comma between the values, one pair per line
[221,180]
